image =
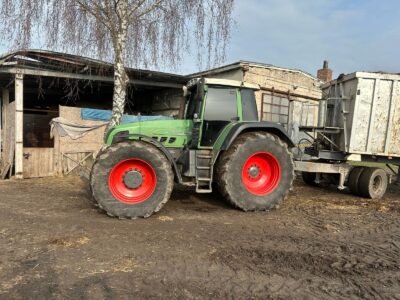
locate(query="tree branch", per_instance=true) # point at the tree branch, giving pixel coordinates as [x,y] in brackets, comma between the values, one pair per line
[136,7]
[97,16]
[148,10]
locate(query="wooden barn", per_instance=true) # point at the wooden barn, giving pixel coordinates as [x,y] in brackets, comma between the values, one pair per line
[38,86]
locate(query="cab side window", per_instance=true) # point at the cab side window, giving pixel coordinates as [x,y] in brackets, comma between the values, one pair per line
[249,105]
[221,104]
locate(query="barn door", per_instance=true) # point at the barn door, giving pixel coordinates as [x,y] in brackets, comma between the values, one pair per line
[38,162]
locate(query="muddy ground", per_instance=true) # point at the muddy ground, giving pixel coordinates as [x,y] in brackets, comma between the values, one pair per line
[320,244]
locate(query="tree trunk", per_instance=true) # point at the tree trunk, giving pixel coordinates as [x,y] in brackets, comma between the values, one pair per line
[121,81]
[121,78]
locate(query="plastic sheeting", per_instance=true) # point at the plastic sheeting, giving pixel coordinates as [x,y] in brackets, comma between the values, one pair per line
[105,116]
[73,130]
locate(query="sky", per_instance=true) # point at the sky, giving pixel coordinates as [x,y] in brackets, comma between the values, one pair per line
[353,35]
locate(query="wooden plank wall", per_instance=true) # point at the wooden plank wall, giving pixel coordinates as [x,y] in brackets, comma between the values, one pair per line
[9,134]
[38,162]
[91,142]
[5,99]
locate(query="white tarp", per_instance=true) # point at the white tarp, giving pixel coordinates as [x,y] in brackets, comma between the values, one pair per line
[73,130]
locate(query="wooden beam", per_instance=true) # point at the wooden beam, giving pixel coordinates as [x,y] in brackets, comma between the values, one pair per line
[5,100]
[19,126]
[45,73]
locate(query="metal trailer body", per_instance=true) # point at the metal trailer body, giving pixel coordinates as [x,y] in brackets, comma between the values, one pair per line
[365,110]
[358,120]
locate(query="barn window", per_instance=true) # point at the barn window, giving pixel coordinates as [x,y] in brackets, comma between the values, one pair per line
[276,108]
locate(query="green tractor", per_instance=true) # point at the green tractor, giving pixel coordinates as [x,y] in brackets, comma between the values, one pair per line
[218,142]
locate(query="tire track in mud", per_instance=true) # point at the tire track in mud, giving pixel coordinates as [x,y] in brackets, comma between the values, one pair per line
[321,244]
[341,276]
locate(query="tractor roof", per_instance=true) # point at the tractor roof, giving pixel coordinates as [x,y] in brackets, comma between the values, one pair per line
[229,82]
[225,82]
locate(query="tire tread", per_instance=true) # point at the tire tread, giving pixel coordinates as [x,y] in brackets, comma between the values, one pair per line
[223,166]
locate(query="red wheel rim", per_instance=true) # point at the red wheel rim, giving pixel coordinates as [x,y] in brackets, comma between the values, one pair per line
[261,173]
[132,181]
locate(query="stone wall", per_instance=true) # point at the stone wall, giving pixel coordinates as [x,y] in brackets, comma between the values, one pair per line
[284,80]
[297,85]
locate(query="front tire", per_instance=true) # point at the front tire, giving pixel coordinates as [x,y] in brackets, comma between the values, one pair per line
[256,173]
[131,179]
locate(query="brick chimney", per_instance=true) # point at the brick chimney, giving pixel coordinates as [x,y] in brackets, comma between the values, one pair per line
[325,74]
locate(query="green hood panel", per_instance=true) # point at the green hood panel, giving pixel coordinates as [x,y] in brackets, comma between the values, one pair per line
[171,133]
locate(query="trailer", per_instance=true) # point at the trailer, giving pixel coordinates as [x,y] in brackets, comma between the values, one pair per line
[357,141]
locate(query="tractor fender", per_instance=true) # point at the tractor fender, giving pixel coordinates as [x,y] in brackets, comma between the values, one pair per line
[270,127]
[125,136]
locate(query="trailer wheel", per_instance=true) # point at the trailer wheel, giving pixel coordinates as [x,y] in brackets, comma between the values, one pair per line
[309,178]
[354,180]
[256,173]
[373,183]
[131,179]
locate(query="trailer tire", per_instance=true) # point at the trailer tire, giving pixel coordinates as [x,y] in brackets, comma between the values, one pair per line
[354,180]
[373,183]
[309,178]
[131,179]
[256,172]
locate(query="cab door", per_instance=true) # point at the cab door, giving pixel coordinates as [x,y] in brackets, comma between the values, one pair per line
[221,108]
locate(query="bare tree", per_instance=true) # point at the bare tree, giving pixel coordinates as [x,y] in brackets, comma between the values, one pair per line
[128,32]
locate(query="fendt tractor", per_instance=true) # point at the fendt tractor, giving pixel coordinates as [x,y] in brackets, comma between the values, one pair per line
[219,142]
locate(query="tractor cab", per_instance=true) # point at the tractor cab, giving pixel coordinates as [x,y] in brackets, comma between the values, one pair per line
[215,104]
[212,108]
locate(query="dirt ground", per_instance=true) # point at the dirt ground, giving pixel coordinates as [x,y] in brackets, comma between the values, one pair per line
[320,244]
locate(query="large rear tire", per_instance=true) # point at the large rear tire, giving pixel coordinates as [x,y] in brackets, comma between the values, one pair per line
[373,183]
[256,173]
[131,180]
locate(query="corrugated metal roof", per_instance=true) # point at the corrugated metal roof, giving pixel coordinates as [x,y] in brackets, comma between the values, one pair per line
[43,60]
